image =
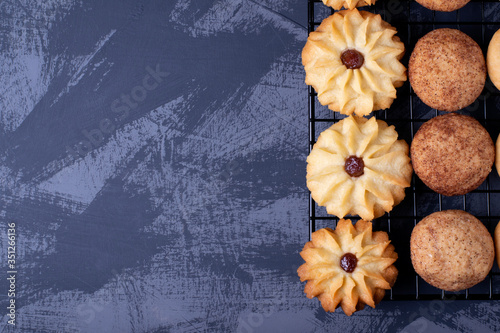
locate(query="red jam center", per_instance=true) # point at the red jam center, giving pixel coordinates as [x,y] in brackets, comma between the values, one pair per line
[354,166]
[348,262]
[352,59]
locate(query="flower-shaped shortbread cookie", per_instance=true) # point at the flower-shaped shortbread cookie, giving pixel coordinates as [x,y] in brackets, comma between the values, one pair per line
[348,4]
[359,167]
[352,61]
[349,266]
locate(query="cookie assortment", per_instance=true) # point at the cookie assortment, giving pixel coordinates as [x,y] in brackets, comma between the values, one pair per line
[359,167]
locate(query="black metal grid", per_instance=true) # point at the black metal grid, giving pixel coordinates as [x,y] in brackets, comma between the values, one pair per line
[479,19]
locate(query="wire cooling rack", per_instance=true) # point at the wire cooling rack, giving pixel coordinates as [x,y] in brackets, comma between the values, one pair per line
[480,20]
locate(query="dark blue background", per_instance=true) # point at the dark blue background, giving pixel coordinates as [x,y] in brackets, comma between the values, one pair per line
[174,201]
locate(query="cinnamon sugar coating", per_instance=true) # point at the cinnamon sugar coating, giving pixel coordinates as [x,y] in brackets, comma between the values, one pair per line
[447,69]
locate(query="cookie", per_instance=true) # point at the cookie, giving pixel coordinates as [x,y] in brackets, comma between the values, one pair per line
[348,4]
[493,59]
[443,5]
[497,156]
[497,243]
[350,266]
[352,61]
[447,69]
[358,166]
[451,250]
[452,154]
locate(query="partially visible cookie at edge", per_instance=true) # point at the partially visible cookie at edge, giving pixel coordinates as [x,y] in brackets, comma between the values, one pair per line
[493,59]
[348,4]
[497,242]
[497,156]
[443,5]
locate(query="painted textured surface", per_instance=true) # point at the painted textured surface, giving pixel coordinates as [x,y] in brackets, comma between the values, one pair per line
[153,158]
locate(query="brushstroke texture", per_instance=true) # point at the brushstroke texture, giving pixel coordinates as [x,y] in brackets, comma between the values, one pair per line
[189,215]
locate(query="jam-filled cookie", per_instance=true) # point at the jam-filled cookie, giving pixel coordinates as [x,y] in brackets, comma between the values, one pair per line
[358,166]
[447,70]
[352,61]
[348,267]
[451,250]
[452,154]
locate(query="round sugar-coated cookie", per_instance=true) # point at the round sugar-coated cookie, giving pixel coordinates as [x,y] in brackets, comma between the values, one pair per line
[451,250]
[447,70]
[452,154]
[443,5]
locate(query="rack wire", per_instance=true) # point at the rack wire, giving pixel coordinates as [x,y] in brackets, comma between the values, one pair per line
[479,19]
